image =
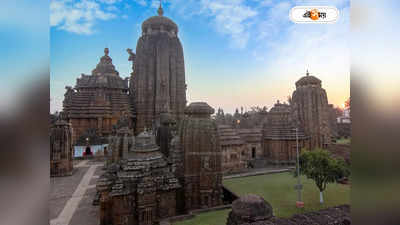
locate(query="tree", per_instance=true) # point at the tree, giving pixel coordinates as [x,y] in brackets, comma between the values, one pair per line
[347,104]
[321,167]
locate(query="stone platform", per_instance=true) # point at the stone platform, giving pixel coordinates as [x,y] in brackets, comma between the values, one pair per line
[70,198]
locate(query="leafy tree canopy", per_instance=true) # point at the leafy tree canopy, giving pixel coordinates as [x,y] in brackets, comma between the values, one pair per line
[321,167]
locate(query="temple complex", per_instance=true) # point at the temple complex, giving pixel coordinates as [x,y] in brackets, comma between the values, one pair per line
[61,151]
[310,110]
[98,100]
[158,78]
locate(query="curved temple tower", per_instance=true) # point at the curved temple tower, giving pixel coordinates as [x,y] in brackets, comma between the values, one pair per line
[311,110]
[158,78]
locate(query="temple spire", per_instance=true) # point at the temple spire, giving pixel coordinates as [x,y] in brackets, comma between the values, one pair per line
[160,10]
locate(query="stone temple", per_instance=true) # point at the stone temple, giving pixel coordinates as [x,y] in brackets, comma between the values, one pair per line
[280,136]
[98,100]
[142,186]
[311,110]
[158,79]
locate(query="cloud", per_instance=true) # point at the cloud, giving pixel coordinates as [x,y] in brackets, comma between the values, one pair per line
[78,16]
[141,2]
[110,1]
[230,18]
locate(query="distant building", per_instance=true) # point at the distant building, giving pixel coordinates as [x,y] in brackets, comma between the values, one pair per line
[235,156]
[280,136]
[310,110]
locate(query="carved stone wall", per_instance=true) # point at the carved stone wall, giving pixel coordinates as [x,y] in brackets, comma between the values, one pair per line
[202,158]
[310,110]
[235,155]
[61,151]
[140,188]
[158,80]
[98,100]
[280,136]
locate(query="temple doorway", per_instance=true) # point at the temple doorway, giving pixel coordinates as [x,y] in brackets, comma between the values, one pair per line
[253,152]
[88,151]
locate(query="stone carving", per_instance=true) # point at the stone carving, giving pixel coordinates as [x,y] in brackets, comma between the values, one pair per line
[132,58]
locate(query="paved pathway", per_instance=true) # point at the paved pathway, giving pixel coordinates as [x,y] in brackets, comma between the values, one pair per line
[66,214]
[255,173]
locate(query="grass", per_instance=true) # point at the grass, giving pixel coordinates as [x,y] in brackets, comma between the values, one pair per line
[343,141]
[278,190]
[210,218]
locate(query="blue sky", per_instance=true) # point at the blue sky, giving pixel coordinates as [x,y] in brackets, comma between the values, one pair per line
[237,52]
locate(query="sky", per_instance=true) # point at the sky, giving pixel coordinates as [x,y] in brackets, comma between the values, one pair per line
[237,52]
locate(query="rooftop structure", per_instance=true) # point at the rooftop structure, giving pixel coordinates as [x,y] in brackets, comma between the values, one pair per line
[98,100]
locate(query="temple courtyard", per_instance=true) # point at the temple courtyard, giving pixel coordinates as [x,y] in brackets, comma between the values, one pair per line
[278,190]
[71,197]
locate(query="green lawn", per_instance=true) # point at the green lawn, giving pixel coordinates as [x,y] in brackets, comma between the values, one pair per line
[210,218]
[343,141]
[278,190]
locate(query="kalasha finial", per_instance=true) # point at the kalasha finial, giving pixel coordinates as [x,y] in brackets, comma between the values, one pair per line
[106,51]
[308,74]
[160,10]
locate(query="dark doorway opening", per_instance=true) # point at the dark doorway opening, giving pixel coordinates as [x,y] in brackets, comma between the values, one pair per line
[253,152]
[88,151]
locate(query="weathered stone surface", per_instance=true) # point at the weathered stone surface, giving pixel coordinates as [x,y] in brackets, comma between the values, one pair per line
[310,110]
[165,133]
[202,158]
[140,188]
[254,210]
[158,80]
[98,100]
[249,208]
[61,151]
[280,135]
[235,155]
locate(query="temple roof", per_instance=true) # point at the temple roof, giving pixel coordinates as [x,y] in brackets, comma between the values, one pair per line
[103,76]
[229,136]
[105,66]
[280,108]
[308,80]
[199,108]
[155,22]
